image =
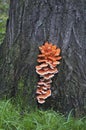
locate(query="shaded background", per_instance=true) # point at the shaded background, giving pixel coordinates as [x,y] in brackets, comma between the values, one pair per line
[29,25]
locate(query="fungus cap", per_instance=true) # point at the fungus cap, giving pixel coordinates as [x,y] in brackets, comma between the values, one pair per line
[44,96]
[42,72]
[41,101]
[48,76]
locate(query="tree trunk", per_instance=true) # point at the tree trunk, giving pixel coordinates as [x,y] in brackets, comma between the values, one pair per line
[30,24]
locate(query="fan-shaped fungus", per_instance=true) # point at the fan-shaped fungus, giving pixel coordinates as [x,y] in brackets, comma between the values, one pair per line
[48,60]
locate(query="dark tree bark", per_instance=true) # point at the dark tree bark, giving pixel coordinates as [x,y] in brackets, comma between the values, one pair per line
[30,24]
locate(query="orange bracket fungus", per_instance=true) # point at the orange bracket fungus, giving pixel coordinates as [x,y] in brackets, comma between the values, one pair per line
[48,60]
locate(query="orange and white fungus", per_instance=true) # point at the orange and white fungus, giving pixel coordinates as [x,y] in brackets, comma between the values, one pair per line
[47,68]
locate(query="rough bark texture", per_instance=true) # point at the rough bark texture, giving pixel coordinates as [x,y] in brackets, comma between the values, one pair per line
[31,22]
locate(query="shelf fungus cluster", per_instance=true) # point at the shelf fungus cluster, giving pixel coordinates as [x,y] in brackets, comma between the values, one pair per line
[48,60]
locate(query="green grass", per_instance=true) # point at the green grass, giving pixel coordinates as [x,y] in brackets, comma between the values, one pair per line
[11,118]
